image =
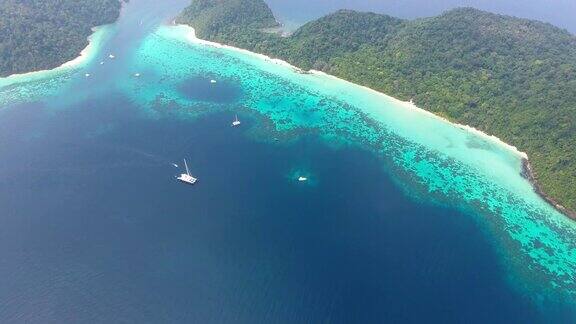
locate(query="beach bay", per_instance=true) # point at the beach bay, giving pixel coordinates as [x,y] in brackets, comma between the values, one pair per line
[403,214]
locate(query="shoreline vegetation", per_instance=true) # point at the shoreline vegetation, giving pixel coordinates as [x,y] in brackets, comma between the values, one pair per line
[42,35]
[529,173]
[527,170]
[191,37]
[93,41]
[509,77]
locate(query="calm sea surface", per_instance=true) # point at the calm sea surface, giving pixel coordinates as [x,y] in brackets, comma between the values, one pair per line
[297,12]
[398,222]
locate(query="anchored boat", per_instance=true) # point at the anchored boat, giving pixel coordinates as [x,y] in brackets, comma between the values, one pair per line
[236,122]
[186,177]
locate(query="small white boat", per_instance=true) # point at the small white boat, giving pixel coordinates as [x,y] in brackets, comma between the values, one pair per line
[236,122]
[87,75]
[111,56]
[102,63]
[212,81]
[302,179]
[137,74]
[186,177]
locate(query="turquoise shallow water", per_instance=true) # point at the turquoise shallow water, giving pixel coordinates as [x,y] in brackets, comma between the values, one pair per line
[167,76]
[437,161]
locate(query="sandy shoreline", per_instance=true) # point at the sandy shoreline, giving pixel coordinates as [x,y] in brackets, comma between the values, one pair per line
[74,63]
[84,54]
[191,36]
[410,105]
[526,168]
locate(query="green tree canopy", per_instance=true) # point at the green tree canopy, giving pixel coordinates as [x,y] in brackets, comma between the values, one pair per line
[510,77]
[40,34]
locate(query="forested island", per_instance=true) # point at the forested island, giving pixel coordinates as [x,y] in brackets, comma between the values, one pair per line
[509,77]
[40,34]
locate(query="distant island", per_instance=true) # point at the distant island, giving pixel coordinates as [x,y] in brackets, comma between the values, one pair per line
[39,34]
[509,77]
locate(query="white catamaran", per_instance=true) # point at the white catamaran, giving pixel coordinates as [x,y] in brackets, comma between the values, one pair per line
[186,177]
[236,122]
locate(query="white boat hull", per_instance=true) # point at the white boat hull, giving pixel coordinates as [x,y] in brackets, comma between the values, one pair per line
[187,179]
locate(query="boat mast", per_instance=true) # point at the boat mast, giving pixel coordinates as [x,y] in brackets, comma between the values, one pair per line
[187,172]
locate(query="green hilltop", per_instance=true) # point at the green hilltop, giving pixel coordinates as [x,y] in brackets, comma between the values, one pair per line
[40,34]
[510,77]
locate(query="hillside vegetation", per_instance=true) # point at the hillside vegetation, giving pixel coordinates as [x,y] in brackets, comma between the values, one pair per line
[214,17]
[510,77]
[40,34]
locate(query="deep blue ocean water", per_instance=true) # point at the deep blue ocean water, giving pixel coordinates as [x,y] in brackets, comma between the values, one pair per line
[95,228]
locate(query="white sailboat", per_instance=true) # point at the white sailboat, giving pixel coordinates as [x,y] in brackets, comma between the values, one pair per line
[186,177]
[236,122]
